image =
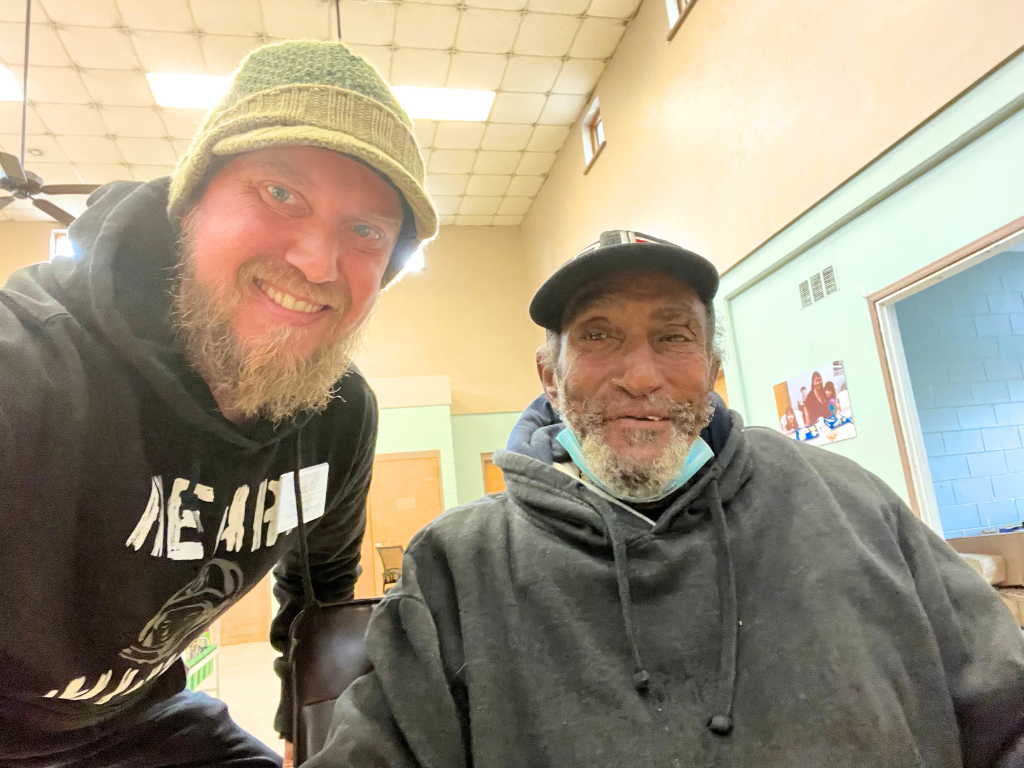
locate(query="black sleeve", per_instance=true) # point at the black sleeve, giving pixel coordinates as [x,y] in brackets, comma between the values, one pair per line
[334,548]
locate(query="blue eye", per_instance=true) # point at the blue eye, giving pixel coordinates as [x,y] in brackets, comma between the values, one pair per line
[363,230]
[280,194]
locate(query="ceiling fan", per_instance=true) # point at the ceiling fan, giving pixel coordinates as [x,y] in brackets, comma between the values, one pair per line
[23,184]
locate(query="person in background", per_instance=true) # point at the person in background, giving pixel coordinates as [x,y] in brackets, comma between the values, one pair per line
[664,586]
[802,405]
[159,393]
[816,403]
[789,422]
[832,398]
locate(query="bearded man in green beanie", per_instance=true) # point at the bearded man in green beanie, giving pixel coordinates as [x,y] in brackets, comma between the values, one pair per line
[174,390]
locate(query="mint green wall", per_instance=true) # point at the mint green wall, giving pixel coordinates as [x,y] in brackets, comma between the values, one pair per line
[957,178]
[422,428]
[474,434]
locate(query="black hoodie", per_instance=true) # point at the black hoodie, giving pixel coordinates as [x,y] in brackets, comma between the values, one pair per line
[786,610]
[132,513]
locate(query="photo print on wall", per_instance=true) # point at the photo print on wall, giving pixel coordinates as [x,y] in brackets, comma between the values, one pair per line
[815,406]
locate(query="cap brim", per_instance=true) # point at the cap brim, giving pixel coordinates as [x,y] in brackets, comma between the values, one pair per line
[549,302]
[307,135]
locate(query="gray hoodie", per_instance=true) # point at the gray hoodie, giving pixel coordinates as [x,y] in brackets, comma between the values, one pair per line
[787,609]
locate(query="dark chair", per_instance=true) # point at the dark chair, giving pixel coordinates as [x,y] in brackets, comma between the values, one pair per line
[328,653]
[391,558]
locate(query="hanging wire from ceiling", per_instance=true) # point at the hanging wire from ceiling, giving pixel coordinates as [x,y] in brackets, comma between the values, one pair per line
[24,80]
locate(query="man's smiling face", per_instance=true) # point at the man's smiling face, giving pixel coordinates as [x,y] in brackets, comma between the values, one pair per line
[282,266]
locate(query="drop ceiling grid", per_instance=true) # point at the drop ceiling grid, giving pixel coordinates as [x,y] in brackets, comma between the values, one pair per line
[94,118]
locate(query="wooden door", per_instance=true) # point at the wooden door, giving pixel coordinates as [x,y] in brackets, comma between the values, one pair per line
[405,495]
[248,620]
[494,478]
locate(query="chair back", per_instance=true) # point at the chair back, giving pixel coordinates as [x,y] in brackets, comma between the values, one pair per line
[391,559]
[328,653]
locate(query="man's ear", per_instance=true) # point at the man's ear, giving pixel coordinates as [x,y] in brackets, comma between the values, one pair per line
[716,366]
[546,372]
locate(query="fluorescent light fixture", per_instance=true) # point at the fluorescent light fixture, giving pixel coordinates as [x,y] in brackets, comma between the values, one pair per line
[9,90]
[189,91]
[444,103]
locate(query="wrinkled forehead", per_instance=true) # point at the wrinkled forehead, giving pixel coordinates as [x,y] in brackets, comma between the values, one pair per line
[658,295]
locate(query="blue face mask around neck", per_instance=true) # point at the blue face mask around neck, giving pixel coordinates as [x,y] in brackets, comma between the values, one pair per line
[699,455]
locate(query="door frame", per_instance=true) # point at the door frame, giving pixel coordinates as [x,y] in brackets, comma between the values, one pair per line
[891,355]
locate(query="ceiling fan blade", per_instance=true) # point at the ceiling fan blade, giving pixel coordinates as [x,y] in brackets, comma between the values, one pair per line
[59,214]
[10,166]
[69,189]
[5,201]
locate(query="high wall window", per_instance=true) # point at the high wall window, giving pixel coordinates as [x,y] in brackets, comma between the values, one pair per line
[593,133]
[677,11]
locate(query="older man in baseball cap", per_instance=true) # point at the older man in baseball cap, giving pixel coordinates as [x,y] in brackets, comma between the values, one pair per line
[661,586]
[167,392]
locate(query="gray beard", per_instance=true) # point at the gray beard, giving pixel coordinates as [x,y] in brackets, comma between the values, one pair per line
[631,480]
[262,380]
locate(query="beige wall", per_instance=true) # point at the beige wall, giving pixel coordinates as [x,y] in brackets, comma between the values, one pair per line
[22,243]
[463,316]
[754,112]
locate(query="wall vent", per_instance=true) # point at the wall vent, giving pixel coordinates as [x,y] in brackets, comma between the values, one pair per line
[818,286]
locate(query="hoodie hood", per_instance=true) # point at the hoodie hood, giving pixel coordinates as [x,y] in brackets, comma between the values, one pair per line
[120,287]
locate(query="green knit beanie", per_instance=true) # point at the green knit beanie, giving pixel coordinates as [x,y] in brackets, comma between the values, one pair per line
[313,94]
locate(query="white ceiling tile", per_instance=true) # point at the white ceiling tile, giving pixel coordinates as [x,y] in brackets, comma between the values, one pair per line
[487,31]
[238,17]
[180,147]
[10,119]
[500,5]
[514,206]
[92,173]
[164,15]
[547,138]
[536,163]
[147,151]
[506,137]
[481,71]
[418,66]
[446,183]
[525,186]
[55,173]
[546,35]
[369,23]
[517,107]
[425,156]
[99,47]
[378,55]
[562,109]
[479,206]
[89,149]
[445,221]
[474,221]
[425,26]
[16,12]
[616,9]
[182,123]
[134,121]
[73,120]
[497,162]
[23,210]
[169,52]
[456,135]
[52,152]
[424,131]
[120,88]
[149,172]
[597,38]
[46,49]
[451,161]
[73,204]
[531,74]
[85,13]
[487,185]
[224,53]
[54,85]
[298,19]
[446,205]
[508,221]
[578,76]
[571,7]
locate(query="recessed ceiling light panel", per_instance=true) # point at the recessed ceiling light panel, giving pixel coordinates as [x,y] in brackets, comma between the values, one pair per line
[444,103]
[9,90]
[188,91]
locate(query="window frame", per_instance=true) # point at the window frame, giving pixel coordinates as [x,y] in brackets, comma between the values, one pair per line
[592,148]
[677,10]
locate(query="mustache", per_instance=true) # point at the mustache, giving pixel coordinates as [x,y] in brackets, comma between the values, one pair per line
[290,279]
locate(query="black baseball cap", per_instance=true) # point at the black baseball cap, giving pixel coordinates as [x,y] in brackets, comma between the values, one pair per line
[620,250]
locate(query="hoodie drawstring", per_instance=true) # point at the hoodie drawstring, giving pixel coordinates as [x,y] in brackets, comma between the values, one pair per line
[307,576]
[720,722]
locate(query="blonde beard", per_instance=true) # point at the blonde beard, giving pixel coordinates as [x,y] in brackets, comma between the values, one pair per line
[261,379]
[631,480]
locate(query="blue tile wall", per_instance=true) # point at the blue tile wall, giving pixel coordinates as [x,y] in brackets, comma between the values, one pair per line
[964,339]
